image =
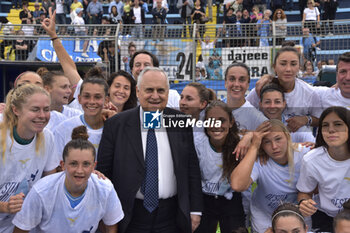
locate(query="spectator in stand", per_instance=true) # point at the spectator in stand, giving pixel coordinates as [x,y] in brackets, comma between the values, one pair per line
[206,46]
[38,30]
[138,16]
[229,27]
[127,17]
[60,15]
[94,12]
[7,30]
[108,55]
[104,29]
[185,9]
[164,4]
[309,75]
[81,30]
[114,16]
[254,17]
[197,16]
[76,4]
[46,5]
[263,27]
[330,9]
[21,47]
[159,15]
[341,222]
[311,17]
[37,11]
[245,21]
[120,10]
[28,27]
[280,19]
[25,13]
[126,60]
[310,44]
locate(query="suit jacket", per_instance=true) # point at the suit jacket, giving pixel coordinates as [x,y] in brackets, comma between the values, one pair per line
[121,159]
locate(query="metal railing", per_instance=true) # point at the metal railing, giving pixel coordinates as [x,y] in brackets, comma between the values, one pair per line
[178,47]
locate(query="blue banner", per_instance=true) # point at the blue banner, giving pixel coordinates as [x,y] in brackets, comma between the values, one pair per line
[74,47]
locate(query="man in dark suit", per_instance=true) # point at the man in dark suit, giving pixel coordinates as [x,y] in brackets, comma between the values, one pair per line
[170,202]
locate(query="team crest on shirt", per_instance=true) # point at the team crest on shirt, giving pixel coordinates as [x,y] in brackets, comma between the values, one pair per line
[72,220]
[24,162]
[347,178]
[288,181]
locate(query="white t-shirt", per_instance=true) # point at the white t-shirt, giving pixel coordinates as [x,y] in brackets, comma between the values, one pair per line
[274,186]
[70,112]
[75,103]
[137,14]
[55,119]
[332,97]
[173,99]
[206,50]
[302,101]
[59,7]
[79,21]
[311,14]
[21,168]
[331,177]
[47,208]
[302,135]
[63,133]
[247,117]
[210,163]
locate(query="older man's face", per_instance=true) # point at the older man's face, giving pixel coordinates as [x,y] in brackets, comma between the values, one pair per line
[343,78]
[153,91]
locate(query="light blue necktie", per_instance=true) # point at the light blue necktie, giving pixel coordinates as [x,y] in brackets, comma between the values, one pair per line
[150,185]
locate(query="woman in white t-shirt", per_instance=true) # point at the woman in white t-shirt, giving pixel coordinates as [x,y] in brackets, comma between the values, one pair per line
[311,17]
[58,85]
[74,200]
[214,149]
[194,99]
[92,97]
[303,102]
[272,104]
[27,149]
[326,170]
[272,161]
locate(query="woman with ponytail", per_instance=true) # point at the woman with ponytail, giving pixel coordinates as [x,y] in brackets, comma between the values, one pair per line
[73,200]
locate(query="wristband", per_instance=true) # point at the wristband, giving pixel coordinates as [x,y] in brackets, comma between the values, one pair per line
[55,38]
[309,120]
[301,201]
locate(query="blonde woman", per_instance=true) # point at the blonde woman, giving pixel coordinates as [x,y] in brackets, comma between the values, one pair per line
[311,17]
[27,149]
[272,161]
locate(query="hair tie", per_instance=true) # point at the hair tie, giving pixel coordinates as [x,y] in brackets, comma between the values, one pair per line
[287,211]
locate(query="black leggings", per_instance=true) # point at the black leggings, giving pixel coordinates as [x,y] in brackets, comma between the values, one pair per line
[229,214]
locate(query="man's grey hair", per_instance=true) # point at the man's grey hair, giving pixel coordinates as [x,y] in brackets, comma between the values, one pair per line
[154,69]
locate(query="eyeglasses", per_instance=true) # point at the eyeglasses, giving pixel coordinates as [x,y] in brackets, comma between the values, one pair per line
[309,3]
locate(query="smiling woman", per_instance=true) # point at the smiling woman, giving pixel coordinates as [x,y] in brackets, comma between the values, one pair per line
[92,97]
[79,200]
[27,150]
